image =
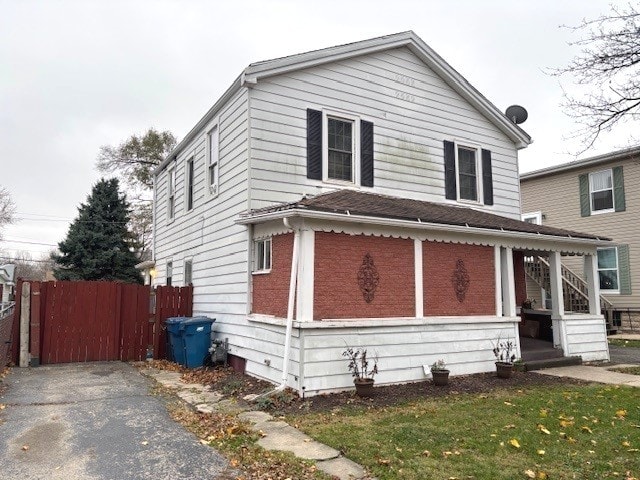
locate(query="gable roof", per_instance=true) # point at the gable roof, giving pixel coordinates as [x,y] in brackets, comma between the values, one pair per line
[618,155]
[350,204]
[268,68]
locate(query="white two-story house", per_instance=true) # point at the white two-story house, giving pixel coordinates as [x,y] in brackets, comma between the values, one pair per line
[363,195]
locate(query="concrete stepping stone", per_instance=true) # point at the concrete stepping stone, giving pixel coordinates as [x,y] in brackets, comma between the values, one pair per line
[342,467]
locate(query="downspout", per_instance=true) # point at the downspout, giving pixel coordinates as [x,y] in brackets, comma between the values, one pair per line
[290,305]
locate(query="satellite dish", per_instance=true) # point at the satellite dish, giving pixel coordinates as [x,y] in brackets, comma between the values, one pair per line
[517,114]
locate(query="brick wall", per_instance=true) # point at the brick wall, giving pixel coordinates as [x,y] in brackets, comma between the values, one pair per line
[271,290]
[439,263]
[520,278]
[338,258]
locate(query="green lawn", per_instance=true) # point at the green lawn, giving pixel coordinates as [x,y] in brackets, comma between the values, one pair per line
[629,370]
[619,342]
[572,432]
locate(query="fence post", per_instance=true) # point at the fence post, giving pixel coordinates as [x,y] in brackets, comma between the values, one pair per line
[25,306]
[35,324]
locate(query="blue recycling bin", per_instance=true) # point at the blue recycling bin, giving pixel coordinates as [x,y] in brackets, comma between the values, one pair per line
[175,344]
[196,337]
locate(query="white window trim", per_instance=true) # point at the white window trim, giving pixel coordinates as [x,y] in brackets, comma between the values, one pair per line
[256,245]
[171,193]
[591,192]
[212,189]
[166,271]
[325,146]
[535,215]
[191,159]
[184,270]
[604,290]
[470,146]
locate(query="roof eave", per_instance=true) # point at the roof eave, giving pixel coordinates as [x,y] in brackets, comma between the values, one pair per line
[415,225]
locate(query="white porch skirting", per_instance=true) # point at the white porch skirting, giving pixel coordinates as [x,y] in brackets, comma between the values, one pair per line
[584,335]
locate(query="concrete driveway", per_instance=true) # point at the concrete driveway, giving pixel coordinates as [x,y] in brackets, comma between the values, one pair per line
[95,421]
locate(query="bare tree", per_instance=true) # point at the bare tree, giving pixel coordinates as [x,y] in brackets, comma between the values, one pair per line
[7,209]
[608,66]
[29,269]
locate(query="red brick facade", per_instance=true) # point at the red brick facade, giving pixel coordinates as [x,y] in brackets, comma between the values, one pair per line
[439,264]
[271,290]
[338,258]
[519,276]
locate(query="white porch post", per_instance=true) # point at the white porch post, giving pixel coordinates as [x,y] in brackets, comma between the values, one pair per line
[497,263]
[593,283]
[417,248]
[304,294]
[508,283]
[557,299]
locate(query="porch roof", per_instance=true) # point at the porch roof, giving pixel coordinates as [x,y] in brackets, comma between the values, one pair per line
[355,203]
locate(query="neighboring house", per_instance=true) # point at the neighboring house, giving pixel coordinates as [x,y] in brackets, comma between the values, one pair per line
[363,195]
[598,195]
[7,284]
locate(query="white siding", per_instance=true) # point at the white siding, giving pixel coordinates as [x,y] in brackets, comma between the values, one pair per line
[586,336]
[412,109]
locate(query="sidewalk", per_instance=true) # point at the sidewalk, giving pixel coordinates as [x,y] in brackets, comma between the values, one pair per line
[595,374]
[625,336]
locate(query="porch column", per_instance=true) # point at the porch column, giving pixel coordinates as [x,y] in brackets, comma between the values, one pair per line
[305,287]
[508,283]
[417,248]
[593,283]
[497,265]
[557,300]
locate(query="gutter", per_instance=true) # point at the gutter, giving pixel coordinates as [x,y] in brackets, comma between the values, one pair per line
[417,225]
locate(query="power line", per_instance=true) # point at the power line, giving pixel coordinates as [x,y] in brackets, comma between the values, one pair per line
[9,259]
[8,240]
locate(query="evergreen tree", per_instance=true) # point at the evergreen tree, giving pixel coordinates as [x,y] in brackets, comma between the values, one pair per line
[98,245]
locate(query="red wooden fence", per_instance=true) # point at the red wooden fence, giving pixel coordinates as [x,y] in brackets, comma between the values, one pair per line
[100,321]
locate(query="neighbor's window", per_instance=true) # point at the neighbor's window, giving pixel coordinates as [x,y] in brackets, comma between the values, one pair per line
[340,146]
[188,272]
[189,186]
[608,269]
[213,156]
[171,188]
[263,255]
[601,191]
[533,217]
[169,273]
[467,166]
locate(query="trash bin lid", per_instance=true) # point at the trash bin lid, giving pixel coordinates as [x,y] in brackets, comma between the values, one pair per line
[197,320]
[174,320]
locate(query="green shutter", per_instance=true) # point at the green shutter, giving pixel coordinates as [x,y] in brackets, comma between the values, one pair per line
[618,189]
[624,272]
[585,204]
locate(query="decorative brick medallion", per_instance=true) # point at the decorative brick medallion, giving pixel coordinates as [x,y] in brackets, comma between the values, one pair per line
[460,280]
[368,278]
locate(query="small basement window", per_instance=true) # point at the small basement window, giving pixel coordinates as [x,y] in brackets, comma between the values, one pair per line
[262,261]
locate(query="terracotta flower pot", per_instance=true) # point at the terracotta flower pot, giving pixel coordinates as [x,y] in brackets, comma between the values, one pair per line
[440,377]
[364,386]
[504,370]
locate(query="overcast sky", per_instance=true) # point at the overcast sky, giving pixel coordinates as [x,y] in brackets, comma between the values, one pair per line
[75,75]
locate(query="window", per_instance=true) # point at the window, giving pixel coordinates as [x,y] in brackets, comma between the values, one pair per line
[262,255]
[189,184]
[169,273]
[171,188]
[608,269]
[533,217]
[340,146]
[601,191]
[188,272]
[213,160]
[467,174]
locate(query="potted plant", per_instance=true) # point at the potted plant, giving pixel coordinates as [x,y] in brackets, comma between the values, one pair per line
[504,351]
[359,368]
[440,373]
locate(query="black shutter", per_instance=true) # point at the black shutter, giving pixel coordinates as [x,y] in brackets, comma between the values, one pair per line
[366,153]
[487,177]
[450,171]
[314,144]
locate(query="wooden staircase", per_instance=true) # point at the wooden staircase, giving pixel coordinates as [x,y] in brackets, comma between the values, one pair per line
[574,288]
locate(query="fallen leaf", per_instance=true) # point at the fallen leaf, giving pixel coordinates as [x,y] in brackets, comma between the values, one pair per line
[508,403]
[514,443]
[621,413]
[586,429]
[530,473]
[566,423]
[543,429]
[25,447]
[384,461]
[426,453]
[447,454]
[626,444]
[544,412]
[542,476]
[511,425]
[2,406]
[541,452]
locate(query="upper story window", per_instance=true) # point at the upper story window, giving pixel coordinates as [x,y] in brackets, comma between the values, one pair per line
[601,191]
[339,148]
[171,191]
[533,217]
[608,269]
[262,259]
[213,160]
[189,177]
[188,272]
[468,173]
[169,279]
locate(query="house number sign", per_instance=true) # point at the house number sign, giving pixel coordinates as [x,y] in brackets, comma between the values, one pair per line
[368,278]
[460,280]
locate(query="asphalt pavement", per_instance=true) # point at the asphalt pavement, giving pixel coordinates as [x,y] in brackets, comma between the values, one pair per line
[95,421]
